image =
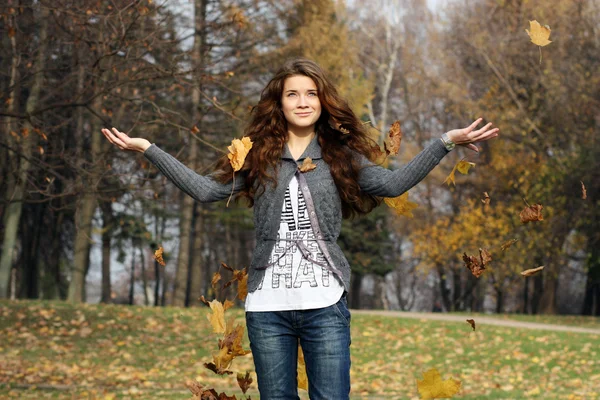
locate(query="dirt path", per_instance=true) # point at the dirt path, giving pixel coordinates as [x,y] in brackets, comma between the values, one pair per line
[479,321]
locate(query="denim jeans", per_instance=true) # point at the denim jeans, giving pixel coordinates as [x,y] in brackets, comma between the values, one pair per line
[323,334]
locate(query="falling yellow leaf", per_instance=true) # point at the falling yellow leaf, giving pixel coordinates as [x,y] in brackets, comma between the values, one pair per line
[238,151]
[508,243]
[217,317]
[307,165]
[228,304]
[158,256]
[533,271]
[216,278]
[401,205]
[539,34]
[301,370]
[463,167]
[433,387]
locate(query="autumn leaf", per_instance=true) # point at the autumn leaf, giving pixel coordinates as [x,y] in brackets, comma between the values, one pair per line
[539,34]
[508,243]
[463,167]
[301,370]
[392,142]
[583,191]
[158,256]
[217,317]
[401,205]
[533,271]
[216,278]
[532,213]
[307,165]
[238,151]
[486,198]
[333,123]
[472,323]
[433,387]
[476,266]
[241,277]
[228,304]
[244,381]
[243,287]
[221,361]
[485,257]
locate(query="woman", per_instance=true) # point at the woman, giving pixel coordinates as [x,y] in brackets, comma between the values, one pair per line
[299,277]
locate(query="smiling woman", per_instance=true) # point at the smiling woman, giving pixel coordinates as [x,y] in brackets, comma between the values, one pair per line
[299,277]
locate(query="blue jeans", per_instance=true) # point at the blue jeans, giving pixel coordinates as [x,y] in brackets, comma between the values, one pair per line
[324,335]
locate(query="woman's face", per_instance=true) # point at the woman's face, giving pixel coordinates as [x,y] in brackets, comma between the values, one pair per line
[300,102]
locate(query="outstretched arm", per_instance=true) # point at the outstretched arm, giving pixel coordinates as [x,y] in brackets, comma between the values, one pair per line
[380,181]
[202,188]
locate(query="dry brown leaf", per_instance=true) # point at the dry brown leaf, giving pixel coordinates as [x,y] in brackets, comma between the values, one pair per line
[473,265]
[485,257]
[539,34]
[508,243]
[307,165]
[243,287]
[216,278]
[158,256]
[217,317]
[532,213]
[401,205]
[202,299]
[337,126]
[228,304]
[486,198]
[244,381]
[433,387]
[533,271]
[583,191]
[394,137]
[238,151]
[472,323]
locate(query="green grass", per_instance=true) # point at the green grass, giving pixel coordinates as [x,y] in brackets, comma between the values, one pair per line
[62,351]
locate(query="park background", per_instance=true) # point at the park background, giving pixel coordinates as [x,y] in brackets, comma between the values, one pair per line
[80,220]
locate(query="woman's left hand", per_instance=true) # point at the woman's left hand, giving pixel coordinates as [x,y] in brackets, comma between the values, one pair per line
[468,136]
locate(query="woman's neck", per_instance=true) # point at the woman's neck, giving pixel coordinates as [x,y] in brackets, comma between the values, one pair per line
[298,141]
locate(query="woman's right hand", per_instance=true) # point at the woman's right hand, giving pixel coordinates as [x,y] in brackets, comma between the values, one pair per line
[124,142]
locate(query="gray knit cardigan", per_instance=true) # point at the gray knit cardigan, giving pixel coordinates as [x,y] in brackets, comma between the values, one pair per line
[373,179]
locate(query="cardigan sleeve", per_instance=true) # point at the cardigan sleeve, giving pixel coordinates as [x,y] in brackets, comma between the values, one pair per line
[379,181]
[202,188]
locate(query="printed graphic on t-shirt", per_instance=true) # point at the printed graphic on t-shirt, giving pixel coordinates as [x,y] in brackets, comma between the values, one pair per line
[289,268]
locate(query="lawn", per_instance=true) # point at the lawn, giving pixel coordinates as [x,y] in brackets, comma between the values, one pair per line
[63,351]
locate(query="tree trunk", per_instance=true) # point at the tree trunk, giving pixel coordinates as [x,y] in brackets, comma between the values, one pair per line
[499,301]
[28,140]
[108,224]
[197,278]
[354,295]
[180,289]
[591,302]
[444,291]
[144,276]
[525,307]
[132,275]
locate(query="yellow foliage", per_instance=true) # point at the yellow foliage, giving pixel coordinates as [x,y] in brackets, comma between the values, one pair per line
[433,387]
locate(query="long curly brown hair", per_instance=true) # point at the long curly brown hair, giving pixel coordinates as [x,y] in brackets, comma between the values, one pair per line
[268,131]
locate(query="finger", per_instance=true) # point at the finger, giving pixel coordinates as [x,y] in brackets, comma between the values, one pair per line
[481,131]
[474,124]
[473,147]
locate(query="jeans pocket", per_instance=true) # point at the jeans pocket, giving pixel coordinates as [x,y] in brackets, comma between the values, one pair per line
[342,310]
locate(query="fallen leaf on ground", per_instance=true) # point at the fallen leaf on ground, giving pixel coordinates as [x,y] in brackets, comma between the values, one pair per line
[401,205]
[394,137]
[533,271]
[433,387]
[532,213]
[307,165]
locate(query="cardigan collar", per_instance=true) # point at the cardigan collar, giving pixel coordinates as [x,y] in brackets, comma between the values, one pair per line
[313,150]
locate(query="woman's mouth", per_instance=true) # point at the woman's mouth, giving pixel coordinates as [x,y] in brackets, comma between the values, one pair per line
[305,114]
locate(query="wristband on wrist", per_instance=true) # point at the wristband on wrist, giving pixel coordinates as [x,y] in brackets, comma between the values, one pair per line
[449,144]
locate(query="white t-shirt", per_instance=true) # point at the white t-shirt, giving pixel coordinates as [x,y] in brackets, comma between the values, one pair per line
[293,281]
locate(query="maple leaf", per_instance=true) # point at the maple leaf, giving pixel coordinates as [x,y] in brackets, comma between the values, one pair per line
[244,381]
[539,34]
[217,317]
[301,370]
[486,198]
[392,142]
[238,151]
[307,165]
[221,361]
[158,256]
[433,387]
[583,191]
[463,167]
[243,287]
[476,266]
[228,304]
[533,271]
[472,323]
[532,213]
[401,205]
[507,244]
[484,256]
[333,123]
